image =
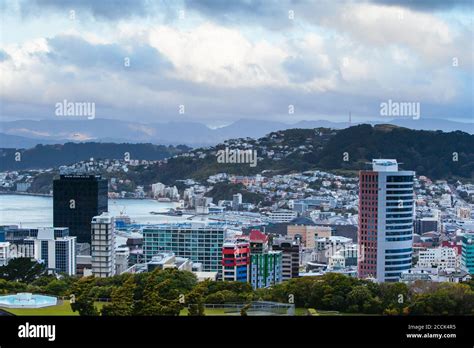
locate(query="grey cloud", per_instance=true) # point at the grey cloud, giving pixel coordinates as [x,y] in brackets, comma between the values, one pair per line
[427,5]
[100,9]
[205,102]
[270,7]
[68,49]
[272,14]
[300,70]
[256,7]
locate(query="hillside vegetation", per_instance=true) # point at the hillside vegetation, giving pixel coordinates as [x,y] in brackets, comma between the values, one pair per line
[435,154]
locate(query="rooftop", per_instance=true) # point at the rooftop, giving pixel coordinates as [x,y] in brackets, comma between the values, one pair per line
[186,225]
[256,235]
[302,221]
[384,165]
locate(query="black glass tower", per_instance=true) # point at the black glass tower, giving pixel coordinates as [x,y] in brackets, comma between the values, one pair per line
[77,199]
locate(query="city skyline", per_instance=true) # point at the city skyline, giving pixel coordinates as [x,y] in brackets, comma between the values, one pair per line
[214,159]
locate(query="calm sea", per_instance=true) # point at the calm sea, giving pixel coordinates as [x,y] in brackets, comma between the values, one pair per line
[36,211]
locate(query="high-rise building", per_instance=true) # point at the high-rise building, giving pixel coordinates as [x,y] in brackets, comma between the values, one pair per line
[467,253]
[56,249]
[386,215]
[102,245]
[290,257]
[77,199]
[236,261]
[199,242]
[266,269]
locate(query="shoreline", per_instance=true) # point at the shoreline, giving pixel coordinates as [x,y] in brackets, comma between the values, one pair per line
[26,194]
[48,195]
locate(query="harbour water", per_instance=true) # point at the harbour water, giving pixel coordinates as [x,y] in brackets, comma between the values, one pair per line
[37,211]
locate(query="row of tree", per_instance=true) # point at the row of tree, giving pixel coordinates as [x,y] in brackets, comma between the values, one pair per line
[168,292]
[351,295]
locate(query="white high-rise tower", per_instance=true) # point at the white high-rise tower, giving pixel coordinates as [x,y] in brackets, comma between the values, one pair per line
[102,245]
[386,212]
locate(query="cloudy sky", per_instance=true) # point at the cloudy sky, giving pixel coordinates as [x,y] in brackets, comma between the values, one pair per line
[227,60]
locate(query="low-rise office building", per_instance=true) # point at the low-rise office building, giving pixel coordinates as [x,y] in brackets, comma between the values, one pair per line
[55,248]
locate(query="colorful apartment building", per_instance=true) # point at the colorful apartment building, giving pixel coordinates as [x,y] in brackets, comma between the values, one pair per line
[467,253]
[236,261]
[266,269]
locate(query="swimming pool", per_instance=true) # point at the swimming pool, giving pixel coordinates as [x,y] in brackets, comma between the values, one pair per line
[27,300]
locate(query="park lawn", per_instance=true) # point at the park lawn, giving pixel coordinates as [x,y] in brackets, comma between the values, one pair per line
[65,309]
[336,313]
[62,309]
[314,312]
[214,311]
[301,311]
[99,305]
[207,311]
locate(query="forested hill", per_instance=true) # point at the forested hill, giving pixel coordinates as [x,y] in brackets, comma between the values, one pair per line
[432,153]
[48,156]
[435,154]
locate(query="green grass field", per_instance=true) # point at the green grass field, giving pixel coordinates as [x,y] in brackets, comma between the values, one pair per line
[62,309]
[318,312]
[208,311]
[301,311]
[336,313]
[65,309]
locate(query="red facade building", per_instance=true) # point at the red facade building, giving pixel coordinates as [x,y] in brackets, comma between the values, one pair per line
[367,235]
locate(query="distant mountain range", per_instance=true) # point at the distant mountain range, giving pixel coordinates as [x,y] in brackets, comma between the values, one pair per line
[28,133]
